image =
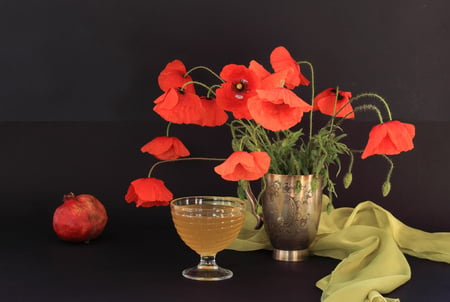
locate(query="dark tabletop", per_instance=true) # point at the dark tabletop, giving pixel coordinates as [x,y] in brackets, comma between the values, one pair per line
[139,257]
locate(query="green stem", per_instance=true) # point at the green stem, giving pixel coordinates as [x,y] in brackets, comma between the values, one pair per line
[391,167]
[205,68]
[182,159]
[198,83]
[312,95]
[370,94]
[168,128]
[362,108]
[334,109]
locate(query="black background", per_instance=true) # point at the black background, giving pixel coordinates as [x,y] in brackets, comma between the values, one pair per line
[98,60]
[78,80]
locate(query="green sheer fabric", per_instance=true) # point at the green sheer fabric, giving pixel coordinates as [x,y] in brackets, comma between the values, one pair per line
[370,242]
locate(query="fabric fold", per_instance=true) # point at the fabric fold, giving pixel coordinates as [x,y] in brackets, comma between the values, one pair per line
[370,242]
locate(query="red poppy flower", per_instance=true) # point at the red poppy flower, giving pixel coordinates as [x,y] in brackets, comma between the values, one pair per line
[174,76]
[330,104]
[214,115]
[240,84]
[166,148]
[281,59]
[244,165]
[148,192]
[390,138]
[277,109]
[179,107]
[268,80]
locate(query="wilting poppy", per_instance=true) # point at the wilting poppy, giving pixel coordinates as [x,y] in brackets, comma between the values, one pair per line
[179,107]
[281,59]
[148,192]
[166,148]
[174,76]
[277,109]
[213,115]
[244,165]
[390,138]
[240,84]
[330,103]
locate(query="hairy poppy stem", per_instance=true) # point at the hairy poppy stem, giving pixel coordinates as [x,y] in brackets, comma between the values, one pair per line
[370,94]
[182,159]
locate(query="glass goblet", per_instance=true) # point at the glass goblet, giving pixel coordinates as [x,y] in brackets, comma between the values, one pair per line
[207,224]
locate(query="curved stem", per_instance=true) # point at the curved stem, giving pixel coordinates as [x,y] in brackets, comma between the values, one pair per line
[205,68]
[370,94]
[391,167]
[182,159]
[312,95]
[200,84]
[362,108]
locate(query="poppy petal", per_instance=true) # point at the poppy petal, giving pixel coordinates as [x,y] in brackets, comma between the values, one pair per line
[281,59]
[148,192]
[174,76]
[166,148]
[389,138]
[244,165]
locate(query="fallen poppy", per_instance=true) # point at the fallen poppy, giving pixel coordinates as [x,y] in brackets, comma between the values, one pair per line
[244,165]
[148,192]
[166,148]
[390,138]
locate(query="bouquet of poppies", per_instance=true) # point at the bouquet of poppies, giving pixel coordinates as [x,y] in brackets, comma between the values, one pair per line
[271,125]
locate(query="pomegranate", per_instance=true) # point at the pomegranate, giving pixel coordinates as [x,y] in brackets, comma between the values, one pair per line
[80,218]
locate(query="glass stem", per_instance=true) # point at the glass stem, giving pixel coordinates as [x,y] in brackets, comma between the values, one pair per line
[208,262]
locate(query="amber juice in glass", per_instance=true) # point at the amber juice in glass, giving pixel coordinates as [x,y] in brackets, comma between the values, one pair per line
[207,225]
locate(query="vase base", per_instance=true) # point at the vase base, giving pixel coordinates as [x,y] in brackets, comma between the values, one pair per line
[290,255]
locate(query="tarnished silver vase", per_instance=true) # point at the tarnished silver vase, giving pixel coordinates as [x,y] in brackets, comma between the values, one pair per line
[291,213]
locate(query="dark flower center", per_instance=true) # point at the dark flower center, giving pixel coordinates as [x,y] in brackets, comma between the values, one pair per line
[339,96]
[240,87]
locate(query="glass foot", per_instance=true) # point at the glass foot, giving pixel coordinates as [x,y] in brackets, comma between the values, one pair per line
[207,274]
[207,270]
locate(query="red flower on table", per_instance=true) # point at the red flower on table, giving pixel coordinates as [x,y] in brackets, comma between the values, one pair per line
[148,192]
[166,148]
[390,138]
[179,107]
[174,76]
[240,84]
[281,59]
[277,109]
[330,103]
[244,165]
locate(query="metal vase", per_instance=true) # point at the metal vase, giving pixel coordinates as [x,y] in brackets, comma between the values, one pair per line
[291,213]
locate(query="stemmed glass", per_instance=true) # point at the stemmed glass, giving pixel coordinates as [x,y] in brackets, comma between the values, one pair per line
[207,224]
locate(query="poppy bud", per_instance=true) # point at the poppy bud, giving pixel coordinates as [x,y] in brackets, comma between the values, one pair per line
[386,188]
[348,177]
